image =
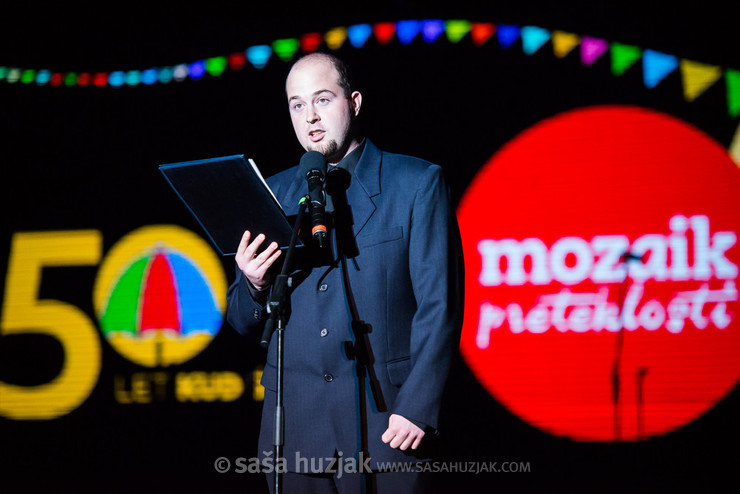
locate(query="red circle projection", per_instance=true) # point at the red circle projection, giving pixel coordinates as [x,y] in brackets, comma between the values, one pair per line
[601,274]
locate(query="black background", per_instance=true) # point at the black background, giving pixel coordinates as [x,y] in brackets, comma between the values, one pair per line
[85,157]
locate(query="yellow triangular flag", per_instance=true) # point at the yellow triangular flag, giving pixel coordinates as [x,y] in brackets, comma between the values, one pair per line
[335,37]
[735,147]
[697,78]
[563,43]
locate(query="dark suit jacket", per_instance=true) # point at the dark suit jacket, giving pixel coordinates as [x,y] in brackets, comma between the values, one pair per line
[407,283]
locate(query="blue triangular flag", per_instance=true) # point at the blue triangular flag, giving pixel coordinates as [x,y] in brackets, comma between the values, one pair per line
[406,31]
[533,38]
[656,66]
[507,34]
[358,34]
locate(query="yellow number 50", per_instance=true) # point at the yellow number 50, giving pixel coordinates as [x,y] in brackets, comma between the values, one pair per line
[23,312]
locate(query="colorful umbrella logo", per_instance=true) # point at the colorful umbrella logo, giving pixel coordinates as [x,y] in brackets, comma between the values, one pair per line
[160,296]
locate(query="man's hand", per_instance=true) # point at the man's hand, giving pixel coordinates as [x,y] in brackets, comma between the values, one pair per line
[255,267]
[402,433]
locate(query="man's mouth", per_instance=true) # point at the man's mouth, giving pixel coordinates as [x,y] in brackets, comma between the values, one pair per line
[316,135]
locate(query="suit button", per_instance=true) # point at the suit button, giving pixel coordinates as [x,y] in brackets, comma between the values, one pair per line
[256,314]
[324,332]
[324,287]
[328,377]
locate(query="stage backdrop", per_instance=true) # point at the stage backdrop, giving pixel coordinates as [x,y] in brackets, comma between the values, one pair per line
[596,185]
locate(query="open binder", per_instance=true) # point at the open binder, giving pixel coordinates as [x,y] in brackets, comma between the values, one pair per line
[227,195]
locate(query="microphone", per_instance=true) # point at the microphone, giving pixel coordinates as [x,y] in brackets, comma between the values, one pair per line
[313,167]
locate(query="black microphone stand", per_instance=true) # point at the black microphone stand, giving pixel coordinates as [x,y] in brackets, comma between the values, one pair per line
[616,379]
[279,309]
[360,349]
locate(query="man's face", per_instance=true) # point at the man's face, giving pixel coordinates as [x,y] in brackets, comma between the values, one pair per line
[320,112]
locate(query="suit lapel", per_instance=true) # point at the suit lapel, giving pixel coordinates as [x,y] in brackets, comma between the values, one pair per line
[364,186]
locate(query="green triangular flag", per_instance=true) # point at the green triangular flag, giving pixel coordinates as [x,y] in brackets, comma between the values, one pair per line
[456,29]
[285,48]
[623,57]
[732,79]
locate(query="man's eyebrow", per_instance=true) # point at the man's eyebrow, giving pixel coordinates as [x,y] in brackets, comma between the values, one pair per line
[316,93]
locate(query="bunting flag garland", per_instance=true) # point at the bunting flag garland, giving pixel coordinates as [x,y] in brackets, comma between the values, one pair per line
[656,66]
[696,77]
[732,80]
[480,32]
[310,42]
[285,48]
[384,31]
[623,57]
[259,55]
[735,147]
[507,35]
[406,31]
[456,30]
[335,38]
[431,30]
[592,49]
[533,38]
[563,43]
[359,34]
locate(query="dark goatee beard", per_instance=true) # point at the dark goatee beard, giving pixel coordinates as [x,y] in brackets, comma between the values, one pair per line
[330,150]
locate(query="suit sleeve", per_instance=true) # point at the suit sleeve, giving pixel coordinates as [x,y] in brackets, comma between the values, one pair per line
[435,268]
[246,309]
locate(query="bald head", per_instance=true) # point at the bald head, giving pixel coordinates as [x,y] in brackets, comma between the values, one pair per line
[343,74]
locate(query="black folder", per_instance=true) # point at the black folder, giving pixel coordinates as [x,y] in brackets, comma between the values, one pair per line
[228,195]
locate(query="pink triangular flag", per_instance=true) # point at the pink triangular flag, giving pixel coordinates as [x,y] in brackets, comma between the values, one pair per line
[592,49]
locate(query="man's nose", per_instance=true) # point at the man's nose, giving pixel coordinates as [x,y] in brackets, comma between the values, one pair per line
[312,115]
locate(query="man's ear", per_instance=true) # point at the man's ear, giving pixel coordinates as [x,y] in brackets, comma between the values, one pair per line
[356,102]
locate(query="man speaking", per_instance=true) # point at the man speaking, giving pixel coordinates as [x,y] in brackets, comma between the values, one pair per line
[403,279]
